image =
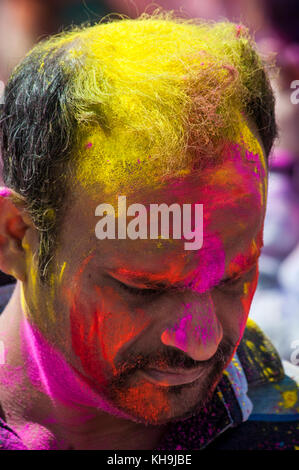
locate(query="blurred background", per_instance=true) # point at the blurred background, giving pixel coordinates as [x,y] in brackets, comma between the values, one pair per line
[275,24]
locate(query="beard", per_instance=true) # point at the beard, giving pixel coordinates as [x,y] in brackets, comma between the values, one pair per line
[153,404]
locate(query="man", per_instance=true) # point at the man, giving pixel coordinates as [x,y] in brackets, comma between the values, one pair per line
[114,339]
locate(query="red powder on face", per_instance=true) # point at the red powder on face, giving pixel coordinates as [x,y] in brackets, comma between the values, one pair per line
[85,328]
[242,261]
[98,333]
[118,329]
[146,401]
[247,298]
[50,373]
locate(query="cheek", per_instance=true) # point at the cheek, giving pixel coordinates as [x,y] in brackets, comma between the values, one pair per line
[232,309]
[248,292]
[98,336]
[246,299]
[101,331]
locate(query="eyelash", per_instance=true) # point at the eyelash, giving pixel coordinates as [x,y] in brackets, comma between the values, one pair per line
[234,281]
[137,291]
[230,282]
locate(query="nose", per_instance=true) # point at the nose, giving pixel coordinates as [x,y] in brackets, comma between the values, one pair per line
[197,331]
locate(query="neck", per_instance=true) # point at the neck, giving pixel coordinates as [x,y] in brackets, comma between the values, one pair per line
[48,404]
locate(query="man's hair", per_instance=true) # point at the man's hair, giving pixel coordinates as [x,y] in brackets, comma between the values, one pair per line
[106,99]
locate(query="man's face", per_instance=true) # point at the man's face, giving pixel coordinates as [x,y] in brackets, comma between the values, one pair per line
[148,325]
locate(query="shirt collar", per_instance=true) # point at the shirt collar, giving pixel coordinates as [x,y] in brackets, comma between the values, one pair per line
[228,407]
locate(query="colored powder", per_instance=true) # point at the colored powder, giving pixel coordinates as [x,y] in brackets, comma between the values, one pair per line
[157,85]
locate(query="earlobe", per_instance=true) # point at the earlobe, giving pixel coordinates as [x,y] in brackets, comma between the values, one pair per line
[12,231]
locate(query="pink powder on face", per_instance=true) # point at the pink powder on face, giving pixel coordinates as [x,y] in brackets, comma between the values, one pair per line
[5,192]
[249,167]
[198,332]
[211,266]
[50,373]
[11,377]
[227,192]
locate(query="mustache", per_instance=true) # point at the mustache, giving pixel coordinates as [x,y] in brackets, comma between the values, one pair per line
[172,358]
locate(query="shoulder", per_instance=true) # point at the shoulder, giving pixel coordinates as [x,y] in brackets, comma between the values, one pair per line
[260,435]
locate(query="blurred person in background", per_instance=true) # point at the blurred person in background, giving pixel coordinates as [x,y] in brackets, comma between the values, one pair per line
[276,304]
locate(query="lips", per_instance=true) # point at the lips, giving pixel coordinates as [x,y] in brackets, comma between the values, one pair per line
[171,376]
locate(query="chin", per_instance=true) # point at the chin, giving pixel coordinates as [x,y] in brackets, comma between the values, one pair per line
[159,405]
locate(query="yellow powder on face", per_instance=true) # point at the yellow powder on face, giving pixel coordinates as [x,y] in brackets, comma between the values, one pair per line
[246,288]
[131,168]
[251,143]
[62,271]
[23,301]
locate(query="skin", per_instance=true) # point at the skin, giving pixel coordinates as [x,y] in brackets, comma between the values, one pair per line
[75,349]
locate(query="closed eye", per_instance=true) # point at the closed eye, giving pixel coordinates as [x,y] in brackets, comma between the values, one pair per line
[227,283]
[230,281]
[235,280]
[136,290]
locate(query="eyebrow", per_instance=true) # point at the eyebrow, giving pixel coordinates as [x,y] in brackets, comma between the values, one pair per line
[149,280]
[162,282]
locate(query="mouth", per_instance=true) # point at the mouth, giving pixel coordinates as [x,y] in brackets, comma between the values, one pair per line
[169,377]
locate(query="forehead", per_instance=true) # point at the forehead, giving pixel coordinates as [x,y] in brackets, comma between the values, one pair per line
[233,195]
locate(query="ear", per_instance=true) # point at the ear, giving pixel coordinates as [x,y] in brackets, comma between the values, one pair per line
[13,225]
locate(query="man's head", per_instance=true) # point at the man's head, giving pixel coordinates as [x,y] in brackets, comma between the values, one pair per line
[164,111]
